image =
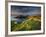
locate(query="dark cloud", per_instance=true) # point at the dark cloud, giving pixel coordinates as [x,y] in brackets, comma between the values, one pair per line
[25,10]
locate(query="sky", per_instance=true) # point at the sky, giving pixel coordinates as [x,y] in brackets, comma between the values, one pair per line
[25,10]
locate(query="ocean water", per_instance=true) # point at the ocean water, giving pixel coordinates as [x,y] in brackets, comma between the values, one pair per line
[16,19]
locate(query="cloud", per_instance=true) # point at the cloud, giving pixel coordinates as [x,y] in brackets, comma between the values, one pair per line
[26,10]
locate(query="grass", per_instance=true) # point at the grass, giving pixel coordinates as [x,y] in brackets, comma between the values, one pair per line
[31,23]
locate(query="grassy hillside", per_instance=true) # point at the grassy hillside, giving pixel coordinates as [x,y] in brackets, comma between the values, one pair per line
[31,23]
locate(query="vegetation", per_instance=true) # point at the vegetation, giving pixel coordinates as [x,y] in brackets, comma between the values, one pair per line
[31,23]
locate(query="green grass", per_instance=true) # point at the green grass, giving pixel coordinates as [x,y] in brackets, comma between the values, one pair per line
[27,25]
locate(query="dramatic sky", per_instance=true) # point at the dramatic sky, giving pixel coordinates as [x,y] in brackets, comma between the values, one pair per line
[25,10]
